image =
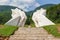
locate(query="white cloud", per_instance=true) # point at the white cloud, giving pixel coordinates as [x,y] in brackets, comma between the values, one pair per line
[28,1]
[37,4]
[23,4]
[3,0]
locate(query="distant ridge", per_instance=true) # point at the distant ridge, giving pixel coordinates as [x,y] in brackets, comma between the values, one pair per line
[43,6]
[6,8]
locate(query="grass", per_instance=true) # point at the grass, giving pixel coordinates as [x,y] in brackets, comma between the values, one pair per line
[52,29]
[7,30]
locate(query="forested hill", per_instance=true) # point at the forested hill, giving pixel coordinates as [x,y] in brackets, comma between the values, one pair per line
[5,13]
[6,8]
[53,13]
[45,6]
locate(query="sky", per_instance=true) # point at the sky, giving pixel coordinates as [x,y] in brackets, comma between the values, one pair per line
[28,5]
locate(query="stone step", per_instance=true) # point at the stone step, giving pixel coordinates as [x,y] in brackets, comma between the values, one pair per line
[31,34]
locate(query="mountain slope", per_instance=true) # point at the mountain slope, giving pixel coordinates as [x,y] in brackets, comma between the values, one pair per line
[5,13]
[53,13]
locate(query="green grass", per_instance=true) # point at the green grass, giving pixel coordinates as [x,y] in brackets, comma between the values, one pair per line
[52,29]
[7,30]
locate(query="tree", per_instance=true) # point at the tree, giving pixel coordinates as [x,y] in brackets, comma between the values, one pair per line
[53,13]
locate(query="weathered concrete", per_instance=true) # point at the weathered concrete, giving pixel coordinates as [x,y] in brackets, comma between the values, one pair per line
[40,19]
[18,18]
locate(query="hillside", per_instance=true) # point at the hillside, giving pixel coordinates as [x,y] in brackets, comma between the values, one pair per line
[53,13]
[6,8]
[5,13]
[45,6]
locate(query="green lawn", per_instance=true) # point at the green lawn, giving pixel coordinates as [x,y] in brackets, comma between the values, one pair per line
[7,30]
[52,29]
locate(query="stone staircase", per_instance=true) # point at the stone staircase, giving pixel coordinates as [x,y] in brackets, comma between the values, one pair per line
[32,34]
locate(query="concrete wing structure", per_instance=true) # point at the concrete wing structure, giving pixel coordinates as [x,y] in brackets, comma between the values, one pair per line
[40,19]
[13,21]
[18,18]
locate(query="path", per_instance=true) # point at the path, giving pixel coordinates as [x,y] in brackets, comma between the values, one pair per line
[32,34]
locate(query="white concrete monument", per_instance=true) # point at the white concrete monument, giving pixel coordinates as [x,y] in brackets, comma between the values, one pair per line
[40,19]
[18,18]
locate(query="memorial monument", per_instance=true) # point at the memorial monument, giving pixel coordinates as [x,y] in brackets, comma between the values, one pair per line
[40,19]
[18,18]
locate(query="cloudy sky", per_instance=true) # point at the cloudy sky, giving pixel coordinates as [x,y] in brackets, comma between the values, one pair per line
[28,5]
